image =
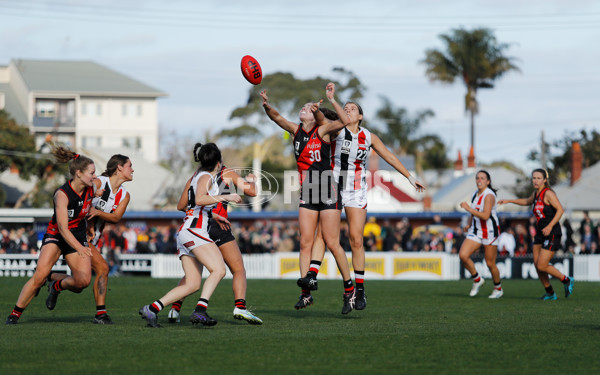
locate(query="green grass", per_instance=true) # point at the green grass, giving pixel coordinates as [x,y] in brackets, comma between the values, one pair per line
[408,327]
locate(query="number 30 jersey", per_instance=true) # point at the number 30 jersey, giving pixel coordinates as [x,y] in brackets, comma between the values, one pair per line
[311,151]
[350,152]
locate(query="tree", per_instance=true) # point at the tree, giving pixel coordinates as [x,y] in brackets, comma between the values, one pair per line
[559,168]
[17,150]
[474,56]
[401,133]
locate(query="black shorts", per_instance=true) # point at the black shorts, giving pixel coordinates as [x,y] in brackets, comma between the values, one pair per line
[320,192]
[551,242]
[64,247]
[218,235]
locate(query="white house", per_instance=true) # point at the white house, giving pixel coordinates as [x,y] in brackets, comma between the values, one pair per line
[82,104]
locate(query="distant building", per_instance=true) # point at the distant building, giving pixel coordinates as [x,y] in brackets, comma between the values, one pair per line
[82,104]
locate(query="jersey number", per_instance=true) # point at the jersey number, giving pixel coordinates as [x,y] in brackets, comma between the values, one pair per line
[361,155]
[315,155]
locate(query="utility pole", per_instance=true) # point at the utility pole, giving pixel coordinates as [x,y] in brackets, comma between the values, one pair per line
[543,152]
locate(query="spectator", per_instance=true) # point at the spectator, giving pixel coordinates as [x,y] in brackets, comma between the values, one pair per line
[507,242]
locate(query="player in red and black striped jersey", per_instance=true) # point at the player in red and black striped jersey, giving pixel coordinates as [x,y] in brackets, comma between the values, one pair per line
[109,205]
[220,232]
[319,199]
[547,210]
[66,235]
[350,149]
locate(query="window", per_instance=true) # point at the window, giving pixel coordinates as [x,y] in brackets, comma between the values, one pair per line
[124,109]
[132,142]
[99,109]
[139,110]
[91,141]
[83,109]
[45,108]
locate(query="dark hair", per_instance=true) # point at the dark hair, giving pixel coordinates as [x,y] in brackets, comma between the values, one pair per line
[544,173]
[329,114]
[113,163]
[64,155]
[207,155]
[489,179]
[360,111]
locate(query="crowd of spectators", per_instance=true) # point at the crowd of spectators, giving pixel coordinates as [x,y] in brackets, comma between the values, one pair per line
[269,236]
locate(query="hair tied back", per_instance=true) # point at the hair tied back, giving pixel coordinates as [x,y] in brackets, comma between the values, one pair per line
[197,148]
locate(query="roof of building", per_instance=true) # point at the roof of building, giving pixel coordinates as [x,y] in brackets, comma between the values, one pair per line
[584,195]
[82,77]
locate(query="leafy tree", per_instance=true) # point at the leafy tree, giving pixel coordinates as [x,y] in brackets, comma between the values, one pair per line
[17,149]
[474,56]
[401,133]
[559,167]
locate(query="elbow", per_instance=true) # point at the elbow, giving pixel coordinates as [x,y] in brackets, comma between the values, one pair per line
[251,192]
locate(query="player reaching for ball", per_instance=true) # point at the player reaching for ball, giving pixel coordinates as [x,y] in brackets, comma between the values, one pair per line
[319,195]
[350,149]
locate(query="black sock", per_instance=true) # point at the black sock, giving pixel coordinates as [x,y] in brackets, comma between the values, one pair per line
[17,311]
[348,286]
[202,305]
[549,290]
[156,306]
[100,309]
[177,305]
[240,303]
[359,276]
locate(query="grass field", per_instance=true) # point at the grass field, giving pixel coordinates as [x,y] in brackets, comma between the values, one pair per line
[408,328]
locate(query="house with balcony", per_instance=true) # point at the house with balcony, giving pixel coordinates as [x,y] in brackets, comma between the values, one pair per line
[83,105]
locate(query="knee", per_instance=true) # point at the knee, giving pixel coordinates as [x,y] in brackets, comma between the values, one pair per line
[102,271]
[464,257]
[219,272]
[356,242]
[81,282]
[490,263]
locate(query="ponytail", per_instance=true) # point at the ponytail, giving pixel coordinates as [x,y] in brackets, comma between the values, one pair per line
[64,155]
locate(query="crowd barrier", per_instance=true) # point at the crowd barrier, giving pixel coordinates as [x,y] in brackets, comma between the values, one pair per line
[378,266]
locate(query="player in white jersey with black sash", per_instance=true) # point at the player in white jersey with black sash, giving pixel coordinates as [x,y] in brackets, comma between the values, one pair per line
[109,207]
[194,246]
[350,150]
[482,230]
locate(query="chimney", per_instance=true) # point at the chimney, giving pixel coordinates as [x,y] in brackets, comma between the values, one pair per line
[471,160]
[459,165]
[427,201]
[576,163]
[14,169]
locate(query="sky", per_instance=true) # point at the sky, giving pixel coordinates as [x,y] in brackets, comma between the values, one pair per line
[192,50]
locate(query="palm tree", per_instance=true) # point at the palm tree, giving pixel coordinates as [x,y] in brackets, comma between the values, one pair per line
[476,57]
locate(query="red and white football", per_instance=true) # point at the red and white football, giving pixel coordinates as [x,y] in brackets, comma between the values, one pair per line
[251,70]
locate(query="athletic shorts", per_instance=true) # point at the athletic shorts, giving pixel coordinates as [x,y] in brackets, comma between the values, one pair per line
[320,194]
[551,242]
[64,247]
[354,198]
[189,239]
[483,241]
[220,236]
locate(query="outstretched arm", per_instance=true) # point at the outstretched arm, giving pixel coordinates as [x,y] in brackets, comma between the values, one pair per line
[276,117]
[392,160]
[520,201]
[248,184]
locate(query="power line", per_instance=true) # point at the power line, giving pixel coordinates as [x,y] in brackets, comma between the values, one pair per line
[197,19]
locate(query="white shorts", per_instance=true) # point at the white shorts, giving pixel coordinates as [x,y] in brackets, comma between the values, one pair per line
[354,198]
[483,241]
[189,239]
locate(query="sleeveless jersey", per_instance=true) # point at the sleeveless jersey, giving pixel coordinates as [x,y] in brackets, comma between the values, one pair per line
[224,188]
[544,213]
[197,216]
[484,229]
[311,151]
[77,209]
[108,202]
[350,152]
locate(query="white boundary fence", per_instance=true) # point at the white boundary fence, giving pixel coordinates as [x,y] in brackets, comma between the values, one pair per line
[378,266]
